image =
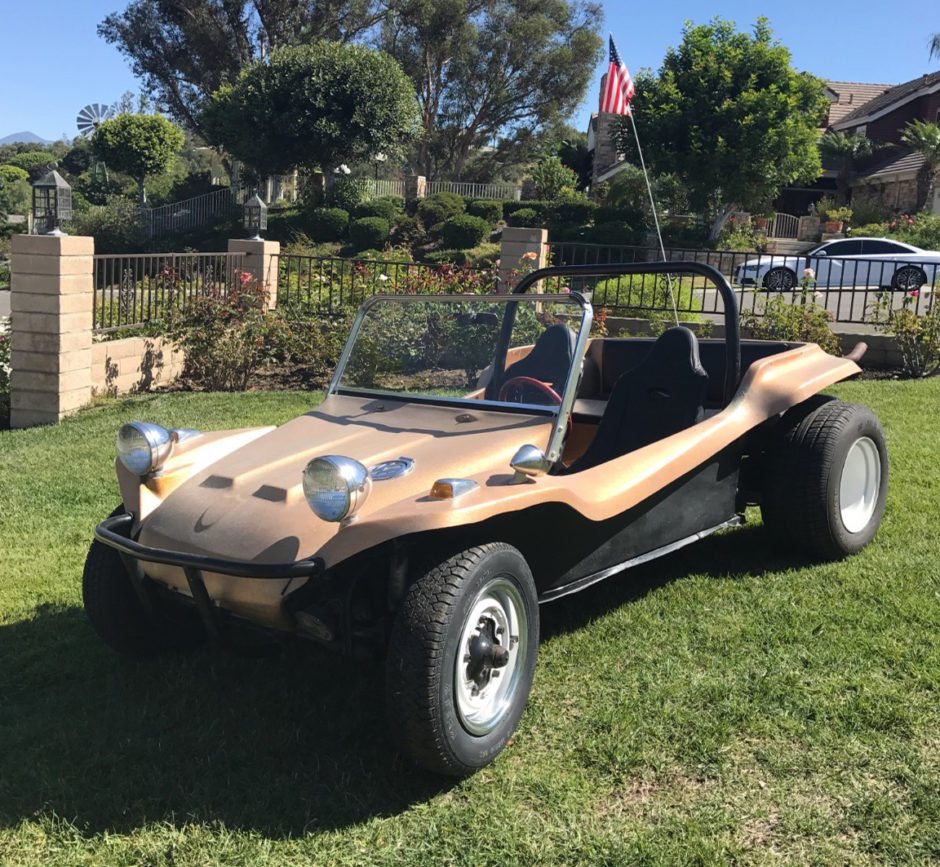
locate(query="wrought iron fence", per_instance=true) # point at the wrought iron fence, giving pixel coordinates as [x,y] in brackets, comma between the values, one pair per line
[476,191]
[138,290]
[324,285]
[189,213]
[850,288]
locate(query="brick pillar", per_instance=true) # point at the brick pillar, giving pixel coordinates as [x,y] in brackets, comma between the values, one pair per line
[514,245]
[808,229]
[261,262]
[51,305]
[416,187]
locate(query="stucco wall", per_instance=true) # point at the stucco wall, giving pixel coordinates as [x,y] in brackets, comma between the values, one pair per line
[133,364]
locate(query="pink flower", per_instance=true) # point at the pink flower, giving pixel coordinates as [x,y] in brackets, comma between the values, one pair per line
[915,293]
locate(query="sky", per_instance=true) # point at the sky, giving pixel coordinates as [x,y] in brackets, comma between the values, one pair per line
[44,88]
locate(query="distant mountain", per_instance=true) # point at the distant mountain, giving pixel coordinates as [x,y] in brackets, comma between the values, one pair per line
[27,137]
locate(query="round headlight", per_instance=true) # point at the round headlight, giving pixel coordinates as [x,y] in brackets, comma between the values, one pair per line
[336,486]
[143,447]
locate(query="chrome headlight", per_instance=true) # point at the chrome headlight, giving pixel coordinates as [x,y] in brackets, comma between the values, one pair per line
[143,447]
[336,486]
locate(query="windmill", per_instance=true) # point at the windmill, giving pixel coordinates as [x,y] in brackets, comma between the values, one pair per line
[88,120]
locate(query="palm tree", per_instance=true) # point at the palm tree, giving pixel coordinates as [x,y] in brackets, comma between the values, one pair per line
[934,45]
[924,138]
[848,150]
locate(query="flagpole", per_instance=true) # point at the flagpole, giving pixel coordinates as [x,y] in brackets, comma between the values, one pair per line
[659,234]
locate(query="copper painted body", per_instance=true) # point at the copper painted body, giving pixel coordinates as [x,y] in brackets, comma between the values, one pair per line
[238,494]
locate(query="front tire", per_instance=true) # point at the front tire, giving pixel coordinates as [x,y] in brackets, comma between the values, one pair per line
[779,280]
[827,479]
[118,615]
[462,657]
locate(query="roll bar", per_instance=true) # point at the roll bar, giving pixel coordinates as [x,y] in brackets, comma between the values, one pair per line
[616,269]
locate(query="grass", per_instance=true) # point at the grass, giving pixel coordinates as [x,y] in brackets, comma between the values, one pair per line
[728,704]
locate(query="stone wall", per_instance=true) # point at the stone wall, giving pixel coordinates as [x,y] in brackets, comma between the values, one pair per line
[134,364]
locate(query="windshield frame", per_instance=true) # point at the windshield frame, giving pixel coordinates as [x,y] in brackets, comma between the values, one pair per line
[560,412]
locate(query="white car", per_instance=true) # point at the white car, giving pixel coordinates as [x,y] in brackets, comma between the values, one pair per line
[845,264]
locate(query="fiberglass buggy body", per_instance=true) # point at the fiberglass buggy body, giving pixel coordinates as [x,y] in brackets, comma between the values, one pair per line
[476,456]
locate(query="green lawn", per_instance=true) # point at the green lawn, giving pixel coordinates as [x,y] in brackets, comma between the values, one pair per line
[725,705]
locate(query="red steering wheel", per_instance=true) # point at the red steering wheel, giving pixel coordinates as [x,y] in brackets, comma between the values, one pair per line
[523,382]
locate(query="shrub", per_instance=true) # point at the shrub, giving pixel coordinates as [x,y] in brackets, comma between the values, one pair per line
[407,231]
[574,211]
[552,178]
[464,230]
[327,224]
[868,211]
[36,163]
[226,338]
[741,237]
[439,207]
[384,208]
[523,217]
[917,332]
[115,226]
[13,173]
[369,232]
[536,205]
[448,257]
[801,319]
[347,192]
[490,210]
[4,372]
[613,233]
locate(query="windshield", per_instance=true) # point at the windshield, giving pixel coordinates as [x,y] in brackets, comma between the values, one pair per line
[496,349]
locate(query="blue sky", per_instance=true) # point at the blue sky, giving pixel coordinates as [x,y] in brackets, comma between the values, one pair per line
[878,42]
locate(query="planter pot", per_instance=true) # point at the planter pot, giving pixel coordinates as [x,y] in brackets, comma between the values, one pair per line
[760,223]
[833,226]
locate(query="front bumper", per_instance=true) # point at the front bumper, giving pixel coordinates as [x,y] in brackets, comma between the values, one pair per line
[115,532]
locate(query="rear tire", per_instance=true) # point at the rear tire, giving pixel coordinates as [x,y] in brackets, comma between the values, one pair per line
[908,279]
[119,617]
[461,659]
[827,478]
[779,280]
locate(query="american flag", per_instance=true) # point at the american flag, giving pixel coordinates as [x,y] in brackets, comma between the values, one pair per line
[619,89]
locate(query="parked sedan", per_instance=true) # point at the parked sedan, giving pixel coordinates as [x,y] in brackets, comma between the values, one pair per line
[846,263]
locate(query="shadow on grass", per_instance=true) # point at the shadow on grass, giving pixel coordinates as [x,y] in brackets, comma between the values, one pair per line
[280,745]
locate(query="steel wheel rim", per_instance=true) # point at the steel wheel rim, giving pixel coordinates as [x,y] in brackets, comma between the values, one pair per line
[498,609]
[860,484]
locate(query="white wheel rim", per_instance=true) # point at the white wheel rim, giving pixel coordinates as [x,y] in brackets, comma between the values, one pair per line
[860,484]
[482,703]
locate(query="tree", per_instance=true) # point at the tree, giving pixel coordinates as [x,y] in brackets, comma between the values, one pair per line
[729,117]
[935,46]
[924,138]
[184,50]
[485,69]
[848,151]
[320,104]
[138,145]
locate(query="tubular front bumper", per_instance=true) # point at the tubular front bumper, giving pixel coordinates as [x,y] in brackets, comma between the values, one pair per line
[115,532]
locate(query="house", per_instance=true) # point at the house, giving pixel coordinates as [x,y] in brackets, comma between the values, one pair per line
[891,177]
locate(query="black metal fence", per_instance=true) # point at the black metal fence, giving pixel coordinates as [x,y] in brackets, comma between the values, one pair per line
[138,290]
[853,289]
[328,285]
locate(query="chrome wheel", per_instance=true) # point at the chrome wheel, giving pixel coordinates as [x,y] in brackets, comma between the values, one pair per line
[860,484]
[491,653]
[779,279]
[909,279]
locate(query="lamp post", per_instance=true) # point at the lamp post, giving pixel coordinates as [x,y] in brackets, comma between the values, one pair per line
[52,204]
[256,217]
[379,158]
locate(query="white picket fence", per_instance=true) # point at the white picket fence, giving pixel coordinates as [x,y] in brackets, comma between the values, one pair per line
[475,191]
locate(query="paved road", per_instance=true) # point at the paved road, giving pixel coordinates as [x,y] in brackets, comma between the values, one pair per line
[5,302]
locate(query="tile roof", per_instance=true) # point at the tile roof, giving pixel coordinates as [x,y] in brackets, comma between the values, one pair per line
[894,94]
[851,96]
[899,161]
